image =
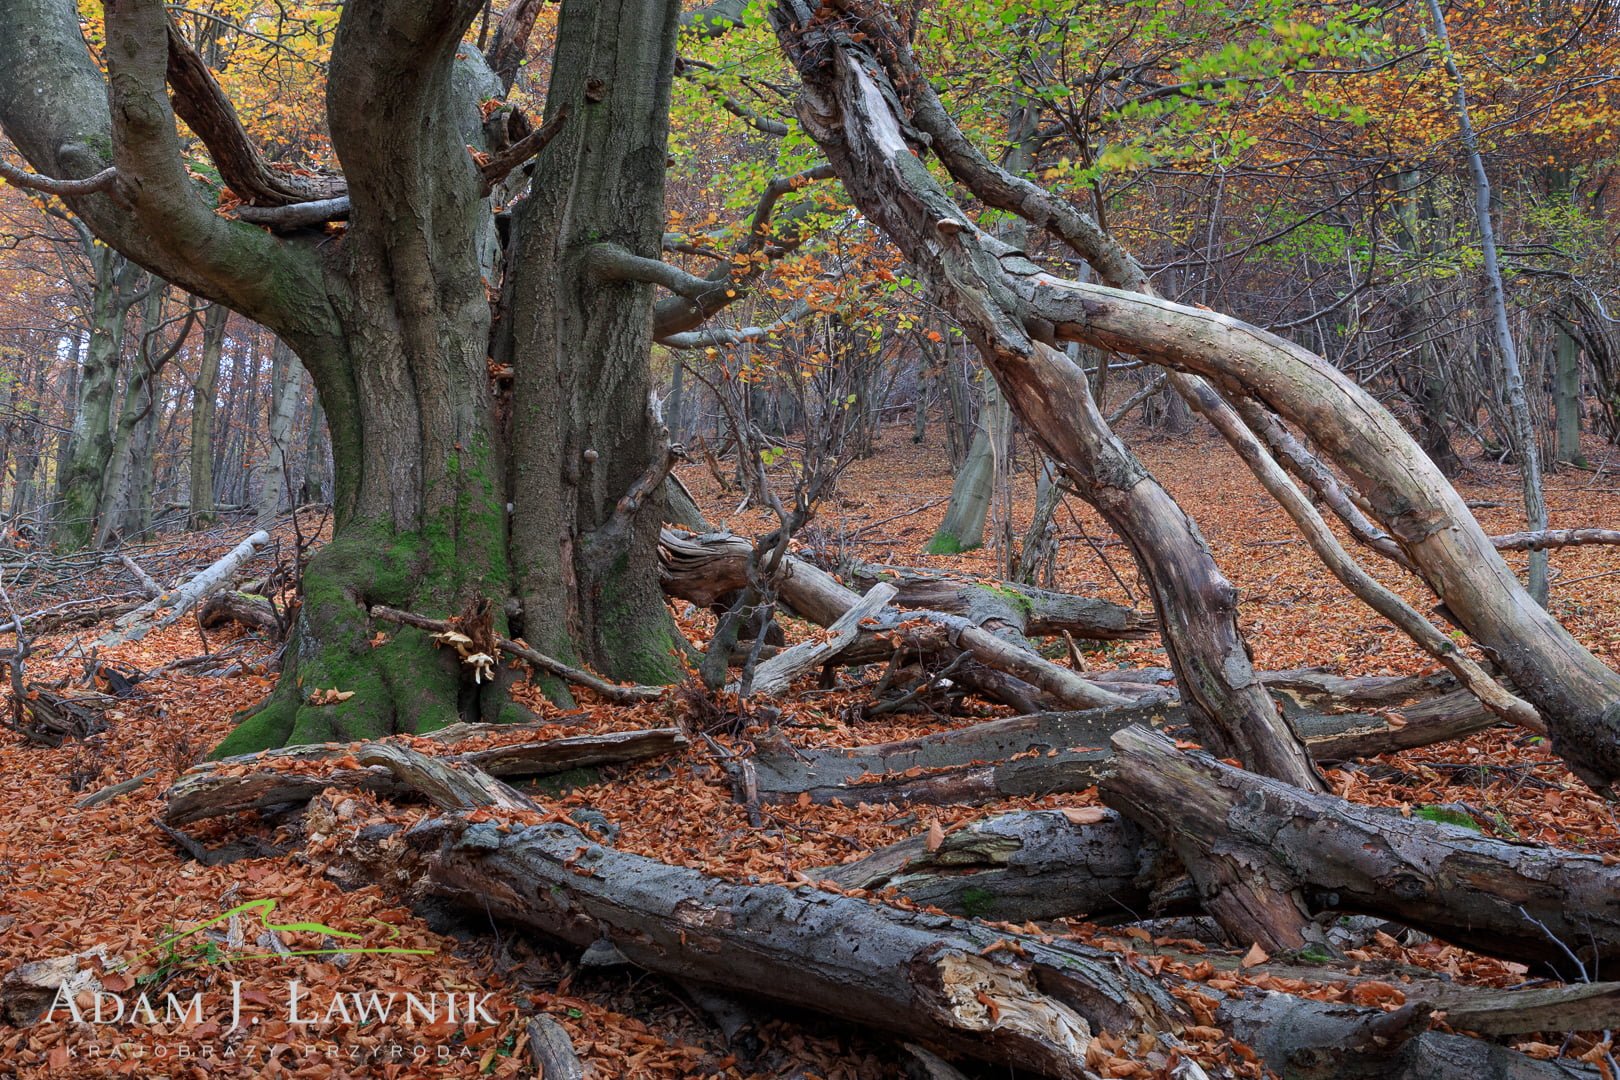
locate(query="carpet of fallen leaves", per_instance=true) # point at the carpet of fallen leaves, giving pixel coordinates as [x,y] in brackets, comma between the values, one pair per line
[73,878]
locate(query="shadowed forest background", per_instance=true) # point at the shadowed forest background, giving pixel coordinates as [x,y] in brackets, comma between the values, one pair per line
[821,540]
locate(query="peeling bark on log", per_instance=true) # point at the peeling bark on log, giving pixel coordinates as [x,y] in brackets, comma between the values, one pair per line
[1032,865]
[972,764]
[977,763]
[203,792]
[1300,1039]
[1026,609]
[1266,855]
[925,977]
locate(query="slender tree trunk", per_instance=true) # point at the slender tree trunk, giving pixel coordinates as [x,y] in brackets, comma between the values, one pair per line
[1567,397]
[204,393]
[118,504]
[317,486]
[286,378]
[975,483]
[1527,450]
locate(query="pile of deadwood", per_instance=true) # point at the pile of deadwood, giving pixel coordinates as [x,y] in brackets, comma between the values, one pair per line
[1182,835]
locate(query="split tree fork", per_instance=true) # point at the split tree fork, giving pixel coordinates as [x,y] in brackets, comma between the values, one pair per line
[392,318]
[867,104]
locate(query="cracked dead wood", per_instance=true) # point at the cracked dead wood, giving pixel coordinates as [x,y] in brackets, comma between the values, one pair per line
[1043,753]
[144,619]
[1035,864]
[962,988]
[215,788]
[775,675]
[1266,856]
[705,568]
[819,597]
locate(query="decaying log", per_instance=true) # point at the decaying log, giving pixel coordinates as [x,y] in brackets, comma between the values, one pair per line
[818,596]
[214,788]
[1266,856]
[144,619]
[1301,1039]
[1030,865]
[961,988]
[253,612]
[1023,608]
[705,568]
[1021,755]
[552,1049]
[776,674]
[1047,752]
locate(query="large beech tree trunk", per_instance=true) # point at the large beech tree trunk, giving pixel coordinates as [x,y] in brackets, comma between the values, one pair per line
[391,314]
[583,435]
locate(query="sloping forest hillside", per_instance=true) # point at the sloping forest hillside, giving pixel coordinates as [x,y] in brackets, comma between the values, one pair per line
[820,540]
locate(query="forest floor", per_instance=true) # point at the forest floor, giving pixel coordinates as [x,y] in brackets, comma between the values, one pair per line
[72,878]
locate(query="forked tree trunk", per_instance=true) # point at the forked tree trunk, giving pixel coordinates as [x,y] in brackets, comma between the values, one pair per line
[856,124]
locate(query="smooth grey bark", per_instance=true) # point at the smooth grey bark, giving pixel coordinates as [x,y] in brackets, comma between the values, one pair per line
[286,386]
[975,484]
[204,401]
[1527,450]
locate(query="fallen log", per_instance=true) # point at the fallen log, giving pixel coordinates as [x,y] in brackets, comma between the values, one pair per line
[215,788]
[817,595]
[1021,755]
[253,612]
[1051,752]
[1021,609]
[1031,865]
[144,619]
[775,675]
[705,568]
[1266,856]
[959,987]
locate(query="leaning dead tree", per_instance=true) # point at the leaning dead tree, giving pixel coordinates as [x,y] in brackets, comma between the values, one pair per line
[865,104]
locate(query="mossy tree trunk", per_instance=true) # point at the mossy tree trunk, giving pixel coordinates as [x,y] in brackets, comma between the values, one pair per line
[392,316]
[90,443]
[583,435]
[203,391]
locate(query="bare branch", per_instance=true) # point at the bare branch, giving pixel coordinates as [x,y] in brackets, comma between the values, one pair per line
[101,181]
